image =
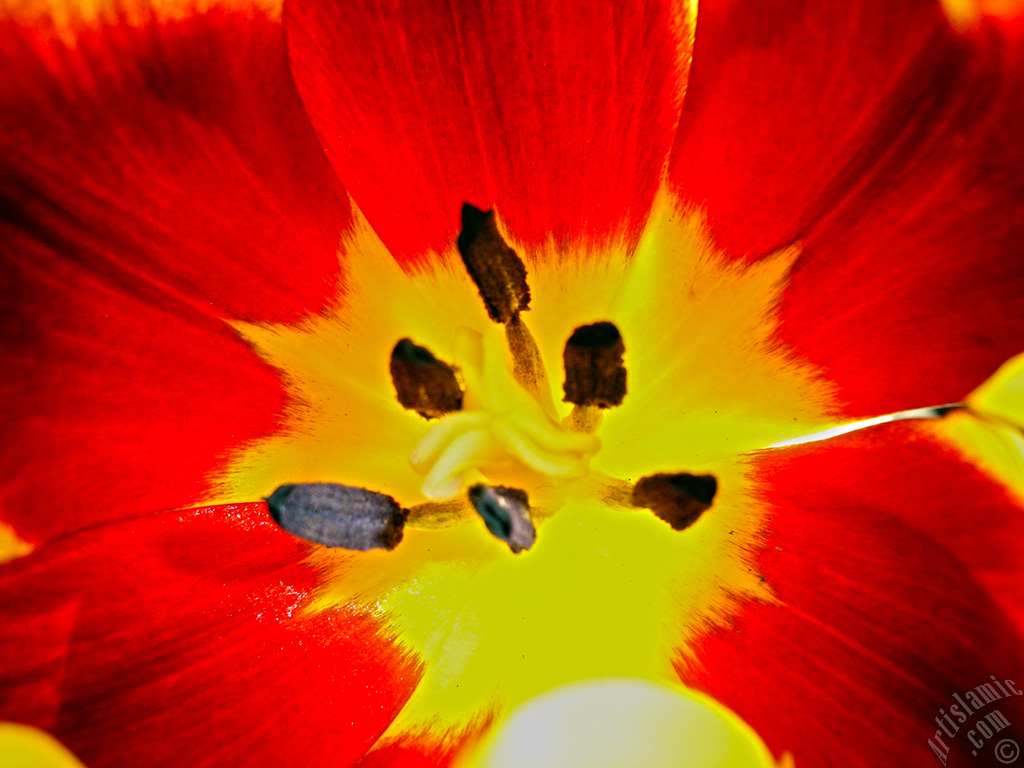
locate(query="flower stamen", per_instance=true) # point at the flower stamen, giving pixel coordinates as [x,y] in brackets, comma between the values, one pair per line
[678,499]
[497,270]
[422,382]
[338,515]
[506,512]
[595,377]
[500,277]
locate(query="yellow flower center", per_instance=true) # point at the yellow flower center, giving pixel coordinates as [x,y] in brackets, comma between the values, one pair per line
[606,589]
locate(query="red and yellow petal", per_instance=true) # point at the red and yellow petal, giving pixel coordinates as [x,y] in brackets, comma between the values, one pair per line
[912,292]
[885,143]
[145,634]
[184,639]
[561,117]
[412,752]
[159,176]
[877,552]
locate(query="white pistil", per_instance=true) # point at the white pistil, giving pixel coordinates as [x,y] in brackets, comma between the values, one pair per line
[500,423]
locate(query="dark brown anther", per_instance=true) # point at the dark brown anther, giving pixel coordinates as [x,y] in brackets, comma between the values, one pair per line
[677,499]
[497,270]
[423,383]
[594,373]
[338,515]
[506,512]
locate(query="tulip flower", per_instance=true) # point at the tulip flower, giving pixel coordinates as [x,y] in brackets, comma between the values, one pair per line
[419,383]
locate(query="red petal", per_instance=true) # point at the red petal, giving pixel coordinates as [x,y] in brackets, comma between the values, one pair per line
[410,754]
[561,116]
[888,145]
[174,155]
[912,293]
[786,102]
[123,403]
[156,177]
[180,639]
[875,551]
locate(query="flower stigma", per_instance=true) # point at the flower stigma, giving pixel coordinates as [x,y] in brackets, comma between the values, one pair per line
[502,431]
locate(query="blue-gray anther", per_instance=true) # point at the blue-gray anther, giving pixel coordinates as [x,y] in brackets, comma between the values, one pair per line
[338,515]
[506,512]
